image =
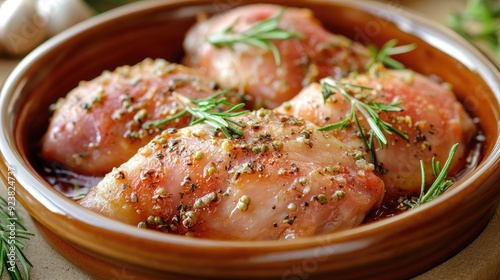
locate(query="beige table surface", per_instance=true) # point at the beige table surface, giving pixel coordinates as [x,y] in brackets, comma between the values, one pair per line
[479,261]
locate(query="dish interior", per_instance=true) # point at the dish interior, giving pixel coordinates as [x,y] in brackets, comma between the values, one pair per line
[85,55]
[128,35]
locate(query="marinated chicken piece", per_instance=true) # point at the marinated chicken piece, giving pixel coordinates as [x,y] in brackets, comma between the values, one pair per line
[100,124]
[281,179]
[432,118]
[316,54]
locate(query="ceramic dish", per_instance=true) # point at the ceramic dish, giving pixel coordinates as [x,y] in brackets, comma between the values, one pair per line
[397,247]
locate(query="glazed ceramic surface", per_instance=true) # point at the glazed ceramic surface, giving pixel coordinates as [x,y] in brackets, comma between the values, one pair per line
[398,247]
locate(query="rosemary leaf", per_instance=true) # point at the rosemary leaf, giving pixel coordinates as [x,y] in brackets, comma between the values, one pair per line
[205,111]
[12,232]
[370,112]
[259,35]
[386,51]
[440,184]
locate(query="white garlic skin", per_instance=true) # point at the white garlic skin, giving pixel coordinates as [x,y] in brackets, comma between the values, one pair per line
[21,27]
[61,14]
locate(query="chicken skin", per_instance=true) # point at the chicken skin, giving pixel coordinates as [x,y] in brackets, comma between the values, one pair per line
[281,179]
[313,54]
[431,117]
[101,123]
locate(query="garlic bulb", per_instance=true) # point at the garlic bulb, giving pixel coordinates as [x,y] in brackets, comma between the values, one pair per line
[24,24]
[21,27]
[61,14]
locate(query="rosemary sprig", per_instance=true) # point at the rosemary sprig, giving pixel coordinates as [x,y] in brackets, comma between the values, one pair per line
[205,111]
[258,35]
[386,51]
[439,186]
[12,232]
[369,111]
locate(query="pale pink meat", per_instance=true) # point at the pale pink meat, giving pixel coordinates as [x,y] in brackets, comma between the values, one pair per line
[319,53]
[432,118]
[99,124]
[282,179]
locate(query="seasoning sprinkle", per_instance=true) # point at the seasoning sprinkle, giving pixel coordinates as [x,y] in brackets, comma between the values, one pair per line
[264,148]
[205,200]
[358,155]
[338,195]
[289,220]
[158,221]
[140,116]
[277,145]
[322,198]
[150,220]
[243,203]
[303,180]
[118,174]
[189,219]
[160,192]
[198,155]
[256,149]
[211,170]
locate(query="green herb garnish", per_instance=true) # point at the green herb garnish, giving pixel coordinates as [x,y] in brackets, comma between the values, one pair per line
[258,35]
[440,185]
[205,111]
[12,232]
[370,111]
[386,51]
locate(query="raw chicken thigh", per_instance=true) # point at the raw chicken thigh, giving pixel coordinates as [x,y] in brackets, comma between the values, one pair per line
[281,179]
[432,118]
[316,54]
[100,124]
